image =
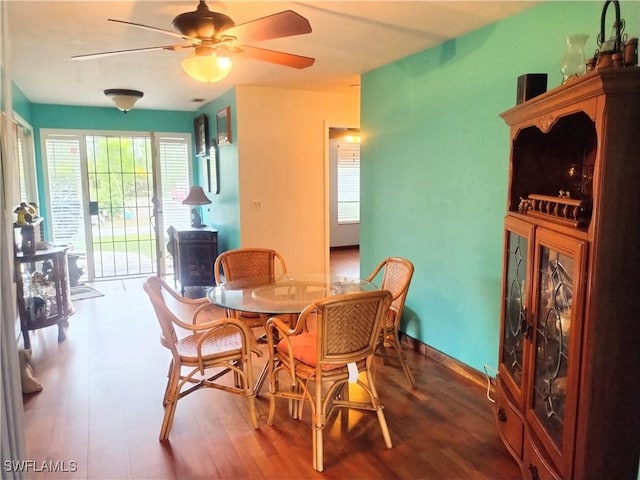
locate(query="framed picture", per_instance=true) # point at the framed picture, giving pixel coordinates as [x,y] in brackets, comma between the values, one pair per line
[208,171]
[223,126]
[201,130]
[212,165]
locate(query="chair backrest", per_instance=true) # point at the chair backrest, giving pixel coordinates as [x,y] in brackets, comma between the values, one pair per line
[170,309]
[247,267]
[348,325]
[154,287]
[396,278]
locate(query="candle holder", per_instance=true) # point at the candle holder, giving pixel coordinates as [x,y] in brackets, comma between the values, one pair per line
[613,45]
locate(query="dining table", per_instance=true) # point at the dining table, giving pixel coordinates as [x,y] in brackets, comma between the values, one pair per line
[288,294]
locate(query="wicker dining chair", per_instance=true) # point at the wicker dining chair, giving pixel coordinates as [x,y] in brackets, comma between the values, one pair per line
[321,363]
[248,267]
[209,348]
[396,277]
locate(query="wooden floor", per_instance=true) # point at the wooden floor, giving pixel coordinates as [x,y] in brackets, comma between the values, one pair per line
[101,408]
[346,261]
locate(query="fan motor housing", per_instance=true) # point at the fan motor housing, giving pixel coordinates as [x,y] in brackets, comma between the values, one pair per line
[202,23]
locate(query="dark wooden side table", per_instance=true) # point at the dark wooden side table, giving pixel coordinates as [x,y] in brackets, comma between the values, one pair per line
[194,250]
[42,286]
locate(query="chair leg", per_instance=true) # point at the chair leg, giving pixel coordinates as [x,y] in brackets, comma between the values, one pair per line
[247,384]
[273,390]
[382,351]
[170,401]
[375,401]
[170,382]
[385,429]
[272,409]
[296,406]
[252,411]
[342,394]
[318,463]
[317,427]
[403,362]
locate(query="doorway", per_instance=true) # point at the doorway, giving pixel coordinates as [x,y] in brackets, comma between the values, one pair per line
[344,196]
[110,196]
[344,186]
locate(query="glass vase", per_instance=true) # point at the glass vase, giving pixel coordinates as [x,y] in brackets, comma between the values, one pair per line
[574,61]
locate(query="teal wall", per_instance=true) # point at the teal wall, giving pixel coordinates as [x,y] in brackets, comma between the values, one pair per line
[224,211]
[434,167]
[100,118]
[21,104]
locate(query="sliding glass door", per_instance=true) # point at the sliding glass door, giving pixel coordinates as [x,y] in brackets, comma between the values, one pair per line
[110,195]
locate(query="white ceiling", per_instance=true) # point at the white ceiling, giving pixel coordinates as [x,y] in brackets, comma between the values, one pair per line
[349,38]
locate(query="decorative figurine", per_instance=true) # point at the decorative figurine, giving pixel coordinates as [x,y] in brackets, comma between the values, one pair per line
[36,307]
[22,213]
[47,270]
[33,207]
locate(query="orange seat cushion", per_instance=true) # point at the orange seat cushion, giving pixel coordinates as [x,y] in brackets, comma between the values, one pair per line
[304,348]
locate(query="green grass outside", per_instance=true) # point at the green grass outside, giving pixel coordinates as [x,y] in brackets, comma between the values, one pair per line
[143,244]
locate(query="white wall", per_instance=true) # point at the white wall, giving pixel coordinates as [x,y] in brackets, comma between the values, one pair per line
[283,168]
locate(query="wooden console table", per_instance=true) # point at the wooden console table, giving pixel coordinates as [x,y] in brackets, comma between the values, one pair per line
[43,294]
[193,250]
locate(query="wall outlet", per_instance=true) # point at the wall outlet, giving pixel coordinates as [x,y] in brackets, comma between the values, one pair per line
[256,205]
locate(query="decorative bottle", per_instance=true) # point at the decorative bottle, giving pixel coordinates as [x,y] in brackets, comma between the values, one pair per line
[574,62]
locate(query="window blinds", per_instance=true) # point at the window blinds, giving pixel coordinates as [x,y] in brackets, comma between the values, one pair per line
[348,183]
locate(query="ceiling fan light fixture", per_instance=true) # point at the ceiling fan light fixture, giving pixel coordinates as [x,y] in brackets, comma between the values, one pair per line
[123,98]
[206,67]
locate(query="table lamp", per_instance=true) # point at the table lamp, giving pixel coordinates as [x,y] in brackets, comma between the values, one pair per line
[196,197]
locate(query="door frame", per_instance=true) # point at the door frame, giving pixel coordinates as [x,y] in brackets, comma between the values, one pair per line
[328,125]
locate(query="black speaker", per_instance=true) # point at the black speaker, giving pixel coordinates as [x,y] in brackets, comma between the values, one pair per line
[530,85]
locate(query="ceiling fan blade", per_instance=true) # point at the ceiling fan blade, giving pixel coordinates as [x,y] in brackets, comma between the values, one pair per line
[278,25]
[155,29]
[272,56]
[90,56]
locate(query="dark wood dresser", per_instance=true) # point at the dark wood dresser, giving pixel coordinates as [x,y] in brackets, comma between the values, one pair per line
[193,250]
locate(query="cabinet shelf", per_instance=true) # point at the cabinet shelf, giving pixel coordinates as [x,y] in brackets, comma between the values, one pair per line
[555,168]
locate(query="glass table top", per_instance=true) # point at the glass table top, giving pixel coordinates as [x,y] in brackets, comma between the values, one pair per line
[289,293]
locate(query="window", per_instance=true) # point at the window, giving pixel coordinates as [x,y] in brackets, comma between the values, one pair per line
[174,179]
[348,183]
[26,164]
[65,190]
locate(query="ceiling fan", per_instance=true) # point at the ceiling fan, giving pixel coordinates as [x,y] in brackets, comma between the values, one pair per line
[214,37]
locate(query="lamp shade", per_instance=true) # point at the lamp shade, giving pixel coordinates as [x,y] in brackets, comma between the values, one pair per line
[196,197]
[205,66]
[123,98]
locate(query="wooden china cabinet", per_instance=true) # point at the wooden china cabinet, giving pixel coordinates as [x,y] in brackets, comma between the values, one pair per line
[568,401]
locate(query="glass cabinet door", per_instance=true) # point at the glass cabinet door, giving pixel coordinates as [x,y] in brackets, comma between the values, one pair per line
[514,309]
[558,290]
[40,290]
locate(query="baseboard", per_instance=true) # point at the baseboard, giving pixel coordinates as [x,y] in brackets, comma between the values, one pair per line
[445,360]
[345,247]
